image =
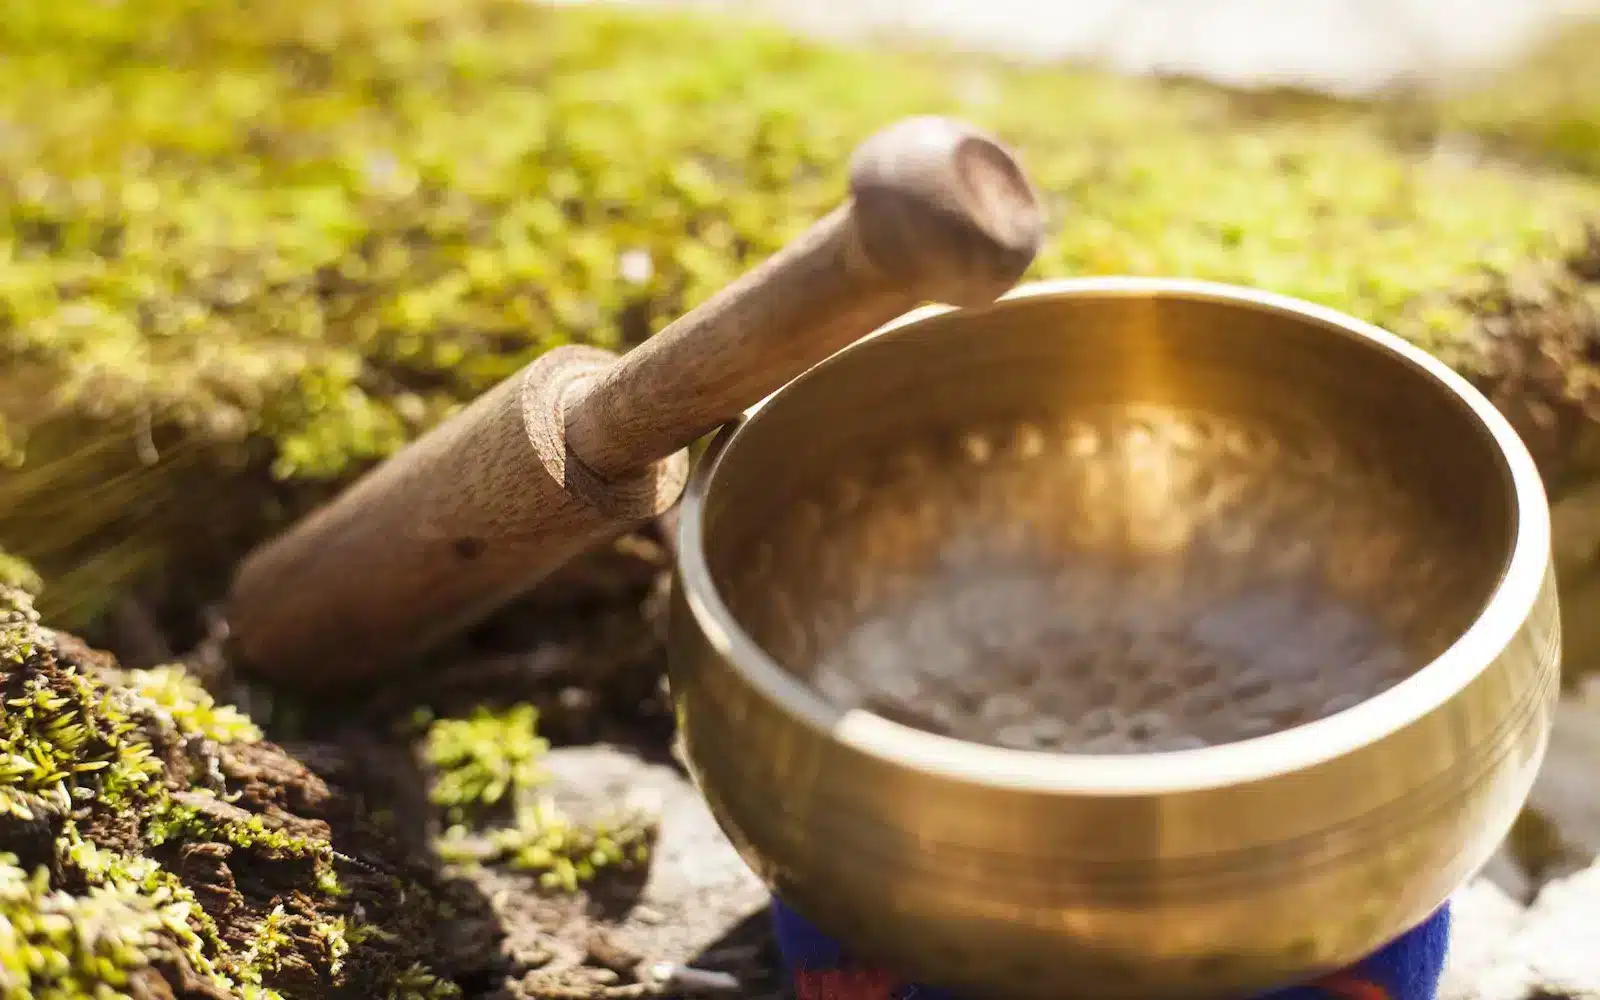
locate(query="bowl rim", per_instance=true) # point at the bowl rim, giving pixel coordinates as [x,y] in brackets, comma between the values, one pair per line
[1503,615]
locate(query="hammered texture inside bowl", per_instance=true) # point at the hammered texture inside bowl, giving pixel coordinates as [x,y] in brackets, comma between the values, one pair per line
[1110,579]
[1097,546]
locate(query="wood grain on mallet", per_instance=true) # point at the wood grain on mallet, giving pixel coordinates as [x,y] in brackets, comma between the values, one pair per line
[582,445]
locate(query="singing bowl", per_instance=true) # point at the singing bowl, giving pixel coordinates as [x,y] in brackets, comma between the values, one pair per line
[1224,869]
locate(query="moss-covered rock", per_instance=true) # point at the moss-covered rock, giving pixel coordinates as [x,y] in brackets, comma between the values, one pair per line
[155,845]
[55,945]
[152,839]
[269,242]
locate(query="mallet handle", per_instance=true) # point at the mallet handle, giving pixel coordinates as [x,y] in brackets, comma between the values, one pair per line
[580,445]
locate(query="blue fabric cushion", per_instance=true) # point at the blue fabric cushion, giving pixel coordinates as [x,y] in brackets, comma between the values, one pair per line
[1405,969]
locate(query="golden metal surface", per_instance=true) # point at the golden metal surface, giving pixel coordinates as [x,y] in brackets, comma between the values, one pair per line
[1218,871]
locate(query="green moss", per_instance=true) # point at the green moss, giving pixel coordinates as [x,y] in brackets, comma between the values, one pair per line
[129,755]
[98,762]
[60,946]
[170,822]
[69,746]
[64,739]
[174,823]
[18,575]
[242,240]
[195,935]
[418,983]
[270,942]
[488,783]
[486,760]
[178,699]
[544,841]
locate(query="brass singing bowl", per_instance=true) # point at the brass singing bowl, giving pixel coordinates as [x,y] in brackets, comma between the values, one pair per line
[1207,443]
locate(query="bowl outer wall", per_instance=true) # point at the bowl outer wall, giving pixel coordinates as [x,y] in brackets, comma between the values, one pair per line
[1236,867]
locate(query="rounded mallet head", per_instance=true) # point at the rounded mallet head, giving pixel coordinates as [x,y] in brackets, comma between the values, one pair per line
[944,209]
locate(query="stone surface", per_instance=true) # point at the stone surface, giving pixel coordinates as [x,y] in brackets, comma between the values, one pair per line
[1507,874]
[1484,919]
[1551,951]
[1567,793]
[699,896]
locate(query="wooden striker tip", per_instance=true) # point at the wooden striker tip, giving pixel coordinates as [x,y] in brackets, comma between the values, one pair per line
[944,209]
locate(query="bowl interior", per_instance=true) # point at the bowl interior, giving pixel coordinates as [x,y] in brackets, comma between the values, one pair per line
[1109,522]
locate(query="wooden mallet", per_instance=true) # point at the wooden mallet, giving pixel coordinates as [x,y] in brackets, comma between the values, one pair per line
[582,445]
